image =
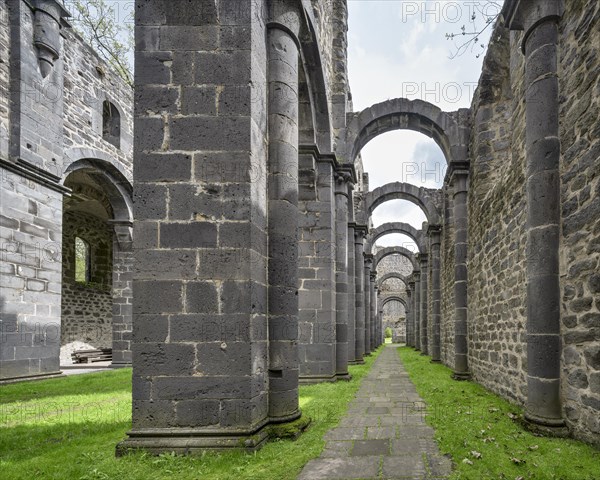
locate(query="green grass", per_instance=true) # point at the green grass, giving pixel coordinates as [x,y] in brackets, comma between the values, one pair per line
[68,428]
[468,418]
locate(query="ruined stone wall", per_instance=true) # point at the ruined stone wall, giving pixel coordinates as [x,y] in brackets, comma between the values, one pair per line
[87,307]
[4,78]
[88,82]
[497,217]
[579,77]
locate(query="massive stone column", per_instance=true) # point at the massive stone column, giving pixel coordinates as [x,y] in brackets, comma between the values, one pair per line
[436,300]
[282,54]
[359,276]
[424,342]
[417,308]
[361,335]
[409,316]
[352,356]
[341,273]
[375,321]
[459,181]
[539,19]
[204,376]
[317,295]
[369,324]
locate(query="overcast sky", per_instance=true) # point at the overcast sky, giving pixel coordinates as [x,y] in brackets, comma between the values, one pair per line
[398,48]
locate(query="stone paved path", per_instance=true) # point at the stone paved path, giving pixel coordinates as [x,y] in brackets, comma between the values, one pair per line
[384,434]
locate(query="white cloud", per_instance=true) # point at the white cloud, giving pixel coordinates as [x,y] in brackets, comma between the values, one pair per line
[395,53]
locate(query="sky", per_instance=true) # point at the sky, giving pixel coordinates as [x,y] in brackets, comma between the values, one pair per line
[398,48]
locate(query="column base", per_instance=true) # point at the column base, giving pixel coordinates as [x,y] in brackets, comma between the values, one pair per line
[549,427]
[461,376]
[190,441]
[423,354]
[357,362]
[312,379]
[29,378]
[343,377]
[435,361]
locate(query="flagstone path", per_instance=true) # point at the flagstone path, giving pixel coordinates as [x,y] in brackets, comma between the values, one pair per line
[384,434]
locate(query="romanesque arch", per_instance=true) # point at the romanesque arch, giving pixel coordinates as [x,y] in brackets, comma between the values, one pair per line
[401,113]
[396,250]
[396,227]
[387,276]
[395,298]
[420,196]
[101,208]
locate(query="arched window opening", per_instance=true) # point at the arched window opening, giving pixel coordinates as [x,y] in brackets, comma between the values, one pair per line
[82,261]
[397,239]
[111,124]
[399,211]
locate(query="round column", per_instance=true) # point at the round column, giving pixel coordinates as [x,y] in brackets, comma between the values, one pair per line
[282,54]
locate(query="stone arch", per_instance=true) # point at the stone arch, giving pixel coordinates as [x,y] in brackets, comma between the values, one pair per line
[101,180]
[396,298]
[385,252]
[401,113]
[420,196]
[396,227]
[116,187]
[314,76]
[387,276]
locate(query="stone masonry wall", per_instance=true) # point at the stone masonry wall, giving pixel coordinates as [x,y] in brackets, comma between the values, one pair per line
[30,276]
[497,213]
[4,78]
[88,82]
[87,308]
[579,74]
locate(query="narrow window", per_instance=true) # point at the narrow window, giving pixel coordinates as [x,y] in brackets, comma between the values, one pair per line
[82,260]
[111,124]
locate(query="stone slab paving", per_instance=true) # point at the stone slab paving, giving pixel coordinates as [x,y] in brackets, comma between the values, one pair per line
[384,434]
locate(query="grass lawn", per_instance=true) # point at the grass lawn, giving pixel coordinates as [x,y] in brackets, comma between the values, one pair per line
[67,429]
[479,430]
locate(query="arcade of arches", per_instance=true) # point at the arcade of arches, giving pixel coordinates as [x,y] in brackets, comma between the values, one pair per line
[255,263]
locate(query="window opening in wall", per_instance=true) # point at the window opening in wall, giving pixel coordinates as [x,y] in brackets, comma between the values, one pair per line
[82,261]
[111,124]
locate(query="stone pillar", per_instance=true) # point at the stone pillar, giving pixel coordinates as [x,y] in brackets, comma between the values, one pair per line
[424,341]
[352,356]
[409,316]
[375,324]
[282,54]
[316,297]
[417,309]
[359,275]
[201,356]
[436,300]
[369,324]
[341,273]
[366,295]
[459,180]
[539,19]
[122,322]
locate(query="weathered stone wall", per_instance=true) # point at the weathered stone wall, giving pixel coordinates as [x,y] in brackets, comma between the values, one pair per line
[497,216]
[4,78]
[30,276]
[55,118]
[579,76]
[87,307]
[88,82]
